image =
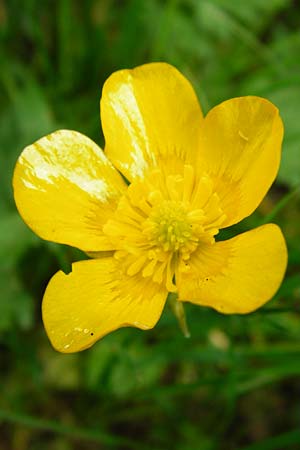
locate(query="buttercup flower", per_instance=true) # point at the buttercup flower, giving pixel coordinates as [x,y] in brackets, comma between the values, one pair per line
[188,178]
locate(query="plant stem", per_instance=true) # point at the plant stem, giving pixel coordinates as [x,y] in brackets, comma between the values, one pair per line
[178,310]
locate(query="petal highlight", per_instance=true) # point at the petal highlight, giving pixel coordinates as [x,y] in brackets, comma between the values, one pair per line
[238,275]
[149,113]
[65,189]
[240,149]
[95,299]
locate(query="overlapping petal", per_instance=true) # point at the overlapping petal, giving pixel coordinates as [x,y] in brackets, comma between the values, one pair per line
[209,172]
[240,149]
[238,275]
[65,189]
[149,113]
[95,299]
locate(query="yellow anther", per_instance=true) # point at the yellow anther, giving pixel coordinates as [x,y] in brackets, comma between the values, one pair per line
[162,222]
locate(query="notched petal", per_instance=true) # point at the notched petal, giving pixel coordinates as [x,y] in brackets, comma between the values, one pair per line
[238,275]
[95,299]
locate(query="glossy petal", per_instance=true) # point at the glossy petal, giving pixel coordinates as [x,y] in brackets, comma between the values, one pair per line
[241,148]
[65,189]
[238,275]
[149,113]
[95,299]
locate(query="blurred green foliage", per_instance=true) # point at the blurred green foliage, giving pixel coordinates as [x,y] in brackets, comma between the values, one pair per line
[235,384]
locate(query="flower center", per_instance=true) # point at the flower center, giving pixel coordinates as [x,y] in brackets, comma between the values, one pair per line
[161,221]
[171,227]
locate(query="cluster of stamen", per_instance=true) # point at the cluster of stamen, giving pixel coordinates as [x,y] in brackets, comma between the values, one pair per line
[168,226]
[160,222]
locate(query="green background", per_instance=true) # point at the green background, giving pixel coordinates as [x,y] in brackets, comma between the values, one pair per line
[235,384]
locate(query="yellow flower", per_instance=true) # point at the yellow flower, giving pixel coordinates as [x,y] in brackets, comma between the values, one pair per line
[189,177]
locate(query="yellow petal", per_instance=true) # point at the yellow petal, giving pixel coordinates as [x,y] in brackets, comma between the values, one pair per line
[95,299]
[238,275]
[149,113]
[241,149]
[65,189]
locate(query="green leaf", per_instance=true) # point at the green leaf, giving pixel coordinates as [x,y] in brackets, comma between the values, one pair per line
[280,442]
[15,238]
[16,305]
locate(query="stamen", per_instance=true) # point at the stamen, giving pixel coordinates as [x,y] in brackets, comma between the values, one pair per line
[149,269]
[170,285]
[202,192]
[159,273]
[135,267]
[161,222]
[155,197]
[174,183]
[188,182]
